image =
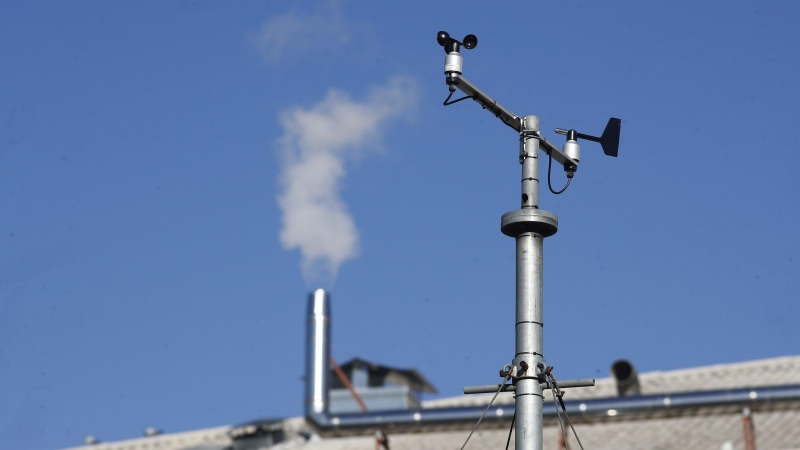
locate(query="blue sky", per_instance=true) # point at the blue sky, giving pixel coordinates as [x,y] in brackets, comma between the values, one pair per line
[144,148]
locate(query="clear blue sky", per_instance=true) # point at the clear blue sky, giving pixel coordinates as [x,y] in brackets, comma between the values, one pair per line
[143,277]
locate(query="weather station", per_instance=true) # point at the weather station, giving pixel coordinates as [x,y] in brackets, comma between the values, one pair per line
[528,375]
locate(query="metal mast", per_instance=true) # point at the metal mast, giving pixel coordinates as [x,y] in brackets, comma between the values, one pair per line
[529,399]
[528,225]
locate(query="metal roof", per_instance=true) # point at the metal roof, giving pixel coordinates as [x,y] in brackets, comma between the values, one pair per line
[777,428]
[779,371]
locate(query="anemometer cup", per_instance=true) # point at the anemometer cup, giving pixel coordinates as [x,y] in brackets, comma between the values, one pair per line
[452,45]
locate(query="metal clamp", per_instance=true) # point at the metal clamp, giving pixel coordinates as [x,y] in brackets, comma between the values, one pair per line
[491,388]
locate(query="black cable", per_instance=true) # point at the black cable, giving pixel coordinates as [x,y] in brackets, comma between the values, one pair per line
[513,419]
[549,184]
[446,103]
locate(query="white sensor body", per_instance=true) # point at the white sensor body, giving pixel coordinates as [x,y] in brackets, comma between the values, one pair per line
[453,63]
[573,150]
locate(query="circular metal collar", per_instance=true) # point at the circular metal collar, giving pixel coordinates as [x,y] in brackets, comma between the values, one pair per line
[514,223]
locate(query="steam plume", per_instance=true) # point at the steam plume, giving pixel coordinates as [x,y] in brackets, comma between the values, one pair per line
[316,144]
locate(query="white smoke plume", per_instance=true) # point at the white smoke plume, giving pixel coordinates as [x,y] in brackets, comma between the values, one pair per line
[316,144]
[289,33]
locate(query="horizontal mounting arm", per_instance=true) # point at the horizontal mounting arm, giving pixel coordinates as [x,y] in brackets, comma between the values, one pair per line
[509,118]
[486,102]
[492,388]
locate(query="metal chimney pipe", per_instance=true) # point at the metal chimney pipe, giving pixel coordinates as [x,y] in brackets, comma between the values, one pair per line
[318,353]
[627,378]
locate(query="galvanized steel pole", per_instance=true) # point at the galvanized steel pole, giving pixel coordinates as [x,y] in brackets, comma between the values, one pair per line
[528,225]
[529,319]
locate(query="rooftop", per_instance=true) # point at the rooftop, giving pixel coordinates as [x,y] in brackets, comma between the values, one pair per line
[776,429]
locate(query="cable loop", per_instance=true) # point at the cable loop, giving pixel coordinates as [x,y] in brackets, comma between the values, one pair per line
[446,103]
[549,184]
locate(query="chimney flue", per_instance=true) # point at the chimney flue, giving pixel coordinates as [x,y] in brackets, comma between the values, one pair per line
[627,379]
[318,352]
